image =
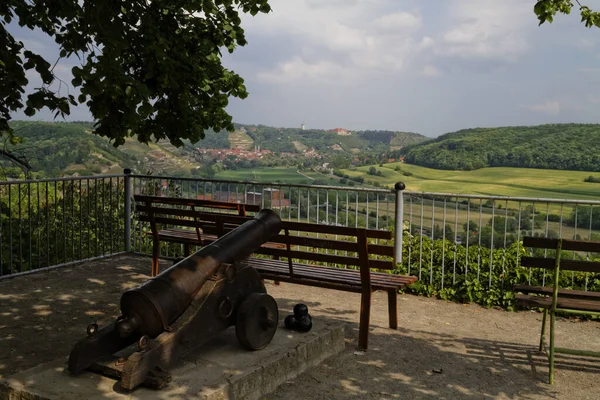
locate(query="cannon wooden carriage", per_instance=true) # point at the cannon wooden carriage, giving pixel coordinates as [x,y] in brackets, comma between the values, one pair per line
[184,306]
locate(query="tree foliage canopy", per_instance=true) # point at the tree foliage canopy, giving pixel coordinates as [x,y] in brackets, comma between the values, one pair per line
[147,68]
[547,9]
[559,146]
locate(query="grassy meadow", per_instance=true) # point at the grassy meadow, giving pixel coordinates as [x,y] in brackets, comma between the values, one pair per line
[516,182]
[279,175]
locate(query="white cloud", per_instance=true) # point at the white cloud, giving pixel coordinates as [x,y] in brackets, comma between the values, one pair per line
[430,71]
[299,71]
[398,21]
[486,29]
[550,107]
[356,38]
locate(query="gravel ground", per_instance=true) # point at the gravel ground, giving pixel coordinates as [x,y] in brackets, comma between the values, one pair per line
[441,350]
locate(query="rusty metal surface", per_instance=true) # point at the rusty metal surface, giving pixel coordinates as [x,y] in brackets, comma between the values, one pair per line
[203,292]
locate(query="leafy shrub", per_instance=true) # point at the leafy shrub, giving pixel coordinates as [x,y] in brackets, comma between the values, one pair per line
[485,277]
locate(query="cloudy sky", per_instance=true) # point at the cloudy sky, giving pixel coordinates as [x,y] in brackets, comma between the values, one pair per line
[427,66]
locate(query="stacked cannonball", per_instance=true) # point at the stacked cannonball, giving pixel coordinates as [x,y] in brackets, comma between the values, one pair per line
[301,320]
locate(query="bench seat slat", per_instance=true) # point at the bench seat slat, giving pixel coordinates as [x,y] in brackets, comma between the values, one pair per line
[546,302]
[565,265]
[567,244]
[334,275]
[346,273]
[565,293]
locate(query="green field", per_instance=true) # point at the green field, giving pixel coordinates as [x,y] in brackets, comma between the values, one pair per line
[517,182]
[278,175]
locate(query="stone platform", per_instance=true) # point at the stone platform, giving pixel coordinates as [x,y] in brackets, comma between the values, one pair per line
[221,369]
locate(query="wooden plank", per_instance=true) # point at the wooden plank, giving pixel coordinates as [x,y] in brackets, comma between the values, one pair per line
[317,282]
[146,211]
[326,258]
[546,302]
[335,230]
[565,265]
[196,202]
[333,274]
[566,293]
[567,244]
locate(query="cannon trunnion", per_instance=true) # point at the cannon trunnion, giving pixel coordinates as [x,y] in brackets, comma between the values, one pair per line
[184,306]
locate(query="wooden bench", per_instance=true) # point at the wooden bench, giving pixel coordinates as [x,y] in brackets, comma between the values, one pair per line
[553,299]
[341,246]
[178,213]
[286,260]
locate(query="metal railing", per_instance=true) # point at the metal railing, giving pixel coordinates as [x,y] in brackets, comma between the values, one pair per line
[333,205]
[54,222]
[446,238]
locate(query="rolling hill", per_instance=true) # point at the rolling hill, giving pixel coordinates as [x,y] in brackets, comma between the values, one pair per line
[557,146]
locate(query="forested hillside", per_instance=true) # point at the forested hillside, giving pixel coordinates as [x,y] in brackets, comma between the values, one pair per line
[294,139]
[559,146]
[53,148]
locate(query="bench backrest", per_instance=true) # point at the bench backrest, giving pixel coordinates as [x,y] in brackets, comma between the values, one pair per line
[341,245]
[169,210]
[556,261]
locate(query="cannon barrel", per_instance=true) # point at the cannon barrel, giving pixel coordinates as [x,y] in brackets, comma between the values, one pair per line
[150,308]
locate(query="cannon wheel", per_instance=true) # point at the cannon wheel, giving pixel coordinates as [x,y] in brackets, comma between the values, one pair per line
[256,321]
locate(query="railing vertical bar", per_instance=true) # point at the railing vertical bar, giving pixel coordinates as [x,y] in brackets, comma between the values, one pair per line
[377,211]
[64,217]
[72,224]
[48,261]
[444,244]
[20,231]
[30,266]
[574,237]
[479,240]
[589,238]
[455,240]
[421,239]
[505,237]
[10,218]
[410,230]
[39,230]
[80,220]
[97,222]
[545,250]
[1,238]
[492,243]
[468,237]
[432,240]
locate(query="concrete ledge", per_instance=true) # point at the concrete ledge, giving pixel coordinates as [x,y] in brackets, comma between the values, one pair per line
[221,369]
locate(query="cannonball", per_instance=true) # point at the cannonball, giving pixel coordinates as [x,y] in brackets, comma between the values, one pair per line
[300,310]
[290,322]
[304,324]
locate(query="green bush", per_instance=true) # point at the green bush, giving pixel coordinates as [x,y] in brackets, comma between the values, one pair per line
[458,278]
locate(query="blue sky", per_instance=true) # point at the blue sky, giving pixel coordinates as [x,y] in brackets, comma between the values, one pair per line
[431,66]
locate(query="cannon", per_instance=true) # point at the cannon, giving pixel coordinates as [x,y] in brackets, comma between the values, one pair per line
[183,307]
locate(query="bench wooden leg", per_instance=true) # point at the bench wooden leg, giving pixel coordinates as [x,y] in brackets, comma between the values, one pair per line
[155,253]
[551,372]
[365,316]
[543,334]
[186,250]
[393,308]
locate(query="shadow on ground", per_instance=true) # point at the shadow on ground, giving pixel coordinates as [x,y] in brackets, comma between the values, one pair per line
[408,363]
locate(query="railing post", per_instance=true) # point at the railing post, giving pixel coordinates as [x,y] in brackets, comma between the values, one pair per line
[127,216]
[399,215]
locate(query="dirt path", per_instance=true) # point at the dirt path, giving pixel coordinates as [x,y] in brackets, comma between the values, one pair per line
[442,350]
